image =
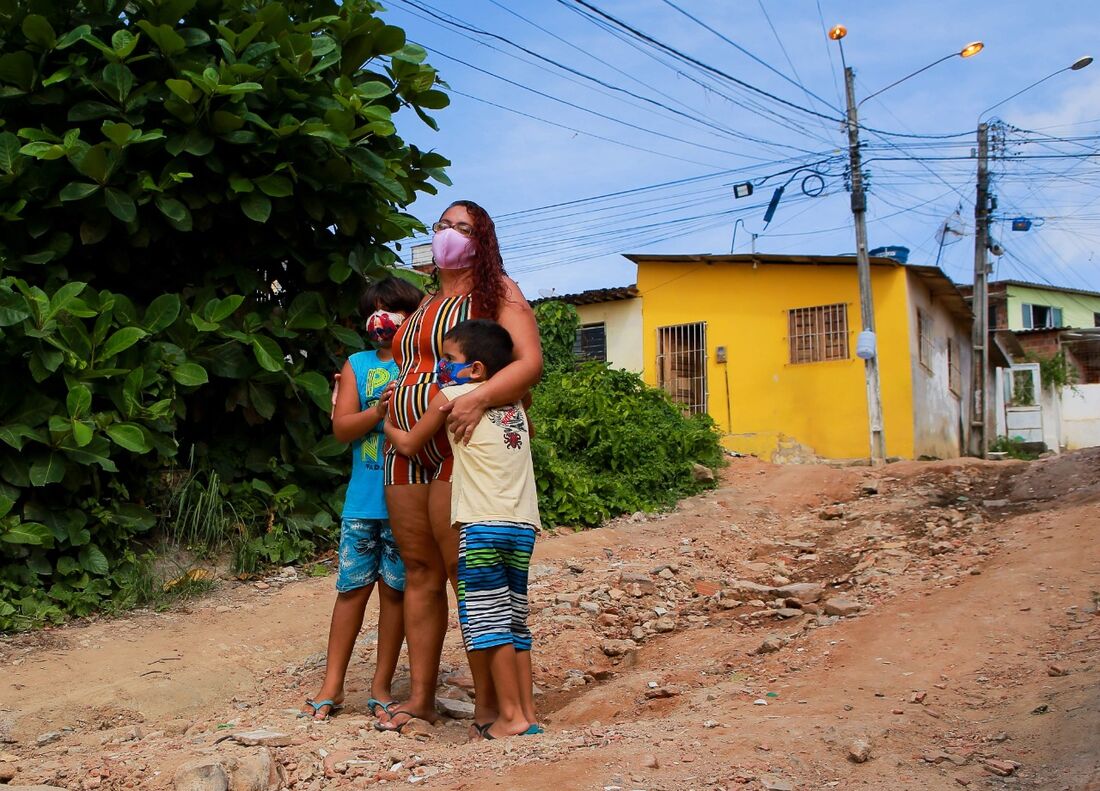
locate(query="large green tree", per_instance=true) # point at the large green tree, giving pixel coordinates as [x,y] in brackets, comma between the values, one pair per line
[191,193]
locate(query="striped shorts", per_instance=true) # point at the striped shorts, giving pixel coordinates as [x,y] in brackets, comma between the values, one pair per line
[492,584]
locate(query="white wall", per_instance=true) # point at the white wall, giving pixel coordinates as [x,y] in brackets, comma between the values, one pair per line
[938,414]
[1081,416]
[622,320]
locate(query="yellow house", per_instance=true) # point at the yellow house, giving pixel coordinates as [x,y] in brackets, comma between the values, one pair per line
[610,325]
[766,345]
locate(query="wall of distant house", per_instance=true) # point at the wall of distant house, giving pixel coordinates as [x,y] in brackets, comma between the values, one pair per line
[940,405]
[1081,416]
[777,409]
[1078,310]
[622,320]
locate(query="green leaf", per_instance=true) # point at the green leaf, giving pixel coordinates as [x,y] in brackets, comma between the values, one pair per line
[267,352]
[93,560]
[89,111]
[48,469]
[119,79]
[30,533]
[190,374]
[307,312]
[73,36]
[317,387]
[241,184]
[261,399]
[170,42]
[183,89]
[161,313]
[120,204]
[121,341]
[5,505]
[39,31]
[275,186]
[176,212]
[202,325]
[17,68]
[9,151]
[67,566]
[82,433]
[373,90]
[119,134]
[77,190]
[256,207]
[129,436]
[124,42]
[78,401]
[225,308]
[349,338]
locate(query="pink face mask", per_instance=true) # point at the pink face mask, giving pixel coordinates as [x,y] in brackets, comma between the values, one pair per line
[452,250]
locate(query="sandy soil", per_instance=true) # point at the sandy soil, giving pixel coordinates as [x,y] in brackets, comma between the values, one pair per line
[970,658]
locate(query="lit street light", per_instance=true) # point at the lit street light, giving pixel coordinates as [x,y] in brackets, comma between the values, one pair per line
[863,261]
[978,444]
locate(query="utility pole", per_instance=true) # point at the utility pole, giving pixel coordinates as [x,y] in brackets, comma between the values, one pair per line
[863,269]
[980,300]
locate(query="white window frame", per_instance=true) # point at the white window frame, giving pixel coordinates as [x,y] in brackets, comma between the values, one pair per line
[1054,316]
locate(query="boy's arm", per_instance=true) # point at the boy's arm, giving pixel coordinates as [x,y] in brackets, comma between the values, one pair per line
[409,443]
[348,422]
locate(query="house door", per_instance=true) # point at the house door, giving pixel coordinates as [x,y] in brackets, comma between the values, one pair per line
[682,364]
[1023,414]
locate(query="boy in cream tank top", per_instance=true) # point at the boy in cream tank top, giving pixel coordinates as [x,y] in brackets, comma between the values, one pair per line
[494,505]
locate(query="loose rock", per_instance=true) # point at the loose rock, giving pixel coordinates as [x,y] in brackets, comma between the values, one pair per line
[859,751]
[841,607]
[618,647]
[203,774]
[772,644]
[262,738]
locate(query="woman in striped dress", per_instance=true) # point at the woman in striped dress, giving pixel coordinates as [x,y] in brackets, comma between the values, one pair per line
[472,284]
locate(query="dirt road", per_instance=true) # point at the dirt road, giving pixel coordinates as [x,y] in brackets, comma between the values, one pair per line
[927,626]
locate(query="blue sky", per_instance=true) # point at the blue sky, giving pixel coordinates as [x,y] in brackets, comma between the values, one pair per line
[533,151]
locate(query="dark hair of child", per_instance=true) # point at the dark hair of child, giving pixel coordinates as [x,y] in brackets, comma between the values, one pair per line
[390,293]
[483,341]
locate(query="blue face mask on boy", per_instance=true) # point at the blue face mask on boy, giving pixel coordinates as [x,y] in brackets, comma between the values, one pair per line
[448,373]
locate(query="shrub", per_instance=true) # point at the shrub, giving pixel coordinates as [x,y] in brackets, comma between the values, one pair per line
[606,443]
[192,193]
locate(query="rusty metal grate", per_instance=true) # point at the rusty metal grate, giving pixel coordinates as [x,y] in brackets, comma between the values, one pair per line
[818,334]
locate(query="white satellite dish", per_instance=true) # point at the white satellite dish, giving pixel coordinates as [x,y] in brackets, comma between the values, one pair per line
[547,293]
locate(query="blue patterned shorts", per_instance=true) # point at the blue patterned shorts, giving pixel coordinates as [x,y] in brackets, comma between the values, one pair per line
[368,552]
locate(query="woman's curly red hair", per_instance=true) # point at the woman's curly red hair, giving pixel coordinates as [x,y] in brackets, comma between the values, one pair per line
[488,269]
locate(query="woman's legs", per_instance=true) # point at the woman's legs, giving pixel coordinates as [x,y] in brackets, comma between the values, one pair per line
[391,632]
[425,594]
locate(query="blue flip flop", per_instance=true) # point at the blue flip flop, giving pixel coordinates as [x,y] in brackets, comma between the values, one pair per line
[374,704]
[532,730]
[333,708]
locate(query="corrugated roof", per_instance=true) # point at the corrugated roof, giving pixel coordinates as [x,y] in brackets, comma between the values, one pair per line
[938,283]
[594,296]
[1044,287]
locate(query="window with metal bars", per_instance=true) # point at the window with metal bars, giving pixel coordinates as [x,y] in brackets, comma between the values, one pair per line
[924,332]
[818,334]
[954,372]
[682,364]
[591,342]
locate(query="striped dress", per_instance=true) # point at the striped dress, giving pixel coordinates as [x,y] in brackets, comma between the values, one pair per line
[417,348]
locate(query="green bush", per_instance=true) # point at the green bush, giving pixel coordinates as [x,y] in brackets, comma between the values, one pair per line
[606,443]
[192,192]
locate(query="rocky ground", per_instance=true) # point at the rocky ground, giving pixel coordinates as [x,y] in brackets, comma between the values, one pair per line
[924,626]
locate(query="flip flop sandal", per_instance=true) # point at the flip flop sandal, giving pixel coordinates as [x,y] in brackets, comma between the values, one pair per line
[378,725]
[333,708]
[374,704]
[532,730]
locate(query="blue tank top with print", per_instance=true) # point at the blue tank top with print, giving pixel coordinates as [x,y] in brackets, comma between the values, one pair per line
[365,498]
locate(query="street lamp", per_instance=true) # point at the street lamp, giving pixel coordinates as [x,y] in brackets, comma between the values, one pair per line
[978,444]
[863,261]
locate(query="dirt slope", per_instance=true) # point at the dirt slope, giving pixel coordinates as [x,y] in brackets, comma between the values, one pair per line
[971,652]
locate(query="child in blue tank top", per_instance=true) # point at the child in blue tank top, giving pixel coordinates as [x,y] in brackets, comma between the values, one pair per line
[368,553]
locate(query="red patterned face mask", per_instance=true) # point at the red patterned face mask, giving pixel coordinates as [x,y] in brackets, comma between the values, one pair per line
[381,326]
